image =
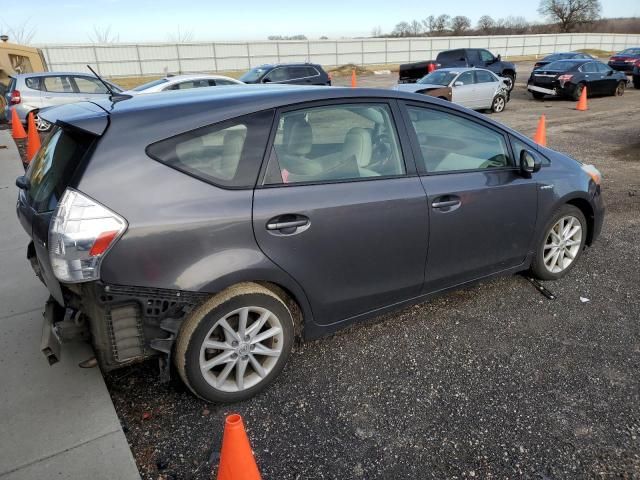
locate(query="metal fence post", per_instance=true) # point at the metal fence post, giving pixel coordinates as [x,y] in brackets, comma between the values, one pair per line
[386,51]
[337,64]
[178,57]
[215,57]
[278,51]
[361,52]
[95,55]
[139,59]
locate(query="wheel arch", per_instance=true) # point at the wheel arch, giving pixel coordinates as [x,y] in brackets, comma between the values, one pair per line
[587,210]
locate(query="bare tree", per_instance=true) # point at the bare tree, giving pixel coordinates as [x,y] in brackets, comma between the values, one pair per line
[429,24]
[459,24]
[103,35]
[21,33]
[570,13]
[181,36]
[376,31]
[516,25]
[402,29]
[415,28]
[441,24]
[486,24]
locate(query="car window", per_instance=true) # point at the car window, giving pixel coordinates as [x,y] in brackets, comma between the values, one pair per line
[588,68]
[334,143]
[89,85]
[222,81]
[297,72]
[482,76]
[227,154]
[57,84]
[486,56]
[277,75]
[34,83]
[519,145]
[466,78]
[311,72]
[151,84]
[451,56]
[451,143]
[602,68]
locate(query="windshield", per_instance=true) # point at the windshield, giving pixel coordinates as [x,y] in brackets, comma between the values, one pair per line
[631,51]
[253,75]
[144,86]
[438,77]
[562,65]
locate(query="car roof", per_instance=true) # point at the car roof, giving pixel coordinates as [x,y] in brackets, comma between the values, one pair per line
[292,64]
[194,76]
[461,69]
[52,74]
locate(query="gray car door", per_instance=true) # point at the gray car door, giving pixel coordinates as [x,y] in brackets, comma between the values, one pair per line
[341,210]
[486,87]
[89,88]
[464,90]
[482,212]
[58,90]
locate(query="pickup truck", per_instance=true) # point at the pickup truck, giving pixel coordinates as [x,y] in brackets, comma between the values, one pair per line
[460,57]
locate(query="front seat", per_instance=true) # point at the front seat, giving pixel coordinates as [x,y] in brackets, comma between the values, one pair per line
[358,144]
[293,154]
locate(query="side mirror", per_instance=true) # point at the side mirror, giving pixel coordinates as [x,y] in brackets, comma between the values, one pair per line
[22,182]
[458,84]
[266,80]
[528,164]
[609,73]
[499,58]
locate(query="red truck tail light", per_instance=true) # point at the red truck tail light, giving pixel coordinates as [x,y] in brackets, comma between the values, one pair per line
[15,97]
[81,233]
[564,79]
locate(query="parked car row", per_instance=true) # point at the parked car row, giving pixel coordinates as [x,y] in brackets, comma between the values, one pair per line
[32,92]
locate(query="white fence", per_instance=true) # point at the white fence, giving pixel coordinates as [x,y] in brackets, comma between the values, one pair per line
[158,58]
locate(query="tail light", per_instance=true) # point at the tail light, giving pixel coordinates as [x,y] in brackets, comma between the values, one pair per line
[593,172]
[15,97]
[630,60]
[82,231]
[564,79]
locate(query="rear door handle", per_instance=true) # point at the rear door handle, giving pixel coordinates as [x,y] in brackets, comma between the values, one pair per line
[283,225]
[445,203]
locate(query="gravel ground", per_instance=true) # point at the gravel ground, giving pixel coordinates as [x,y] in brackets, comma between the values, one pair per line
[493,381]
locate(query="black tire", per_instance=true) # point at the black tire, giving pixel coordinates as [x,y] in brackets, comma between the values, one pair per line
[198,325]
[498,104]
[619,90]
[538,95]
[538,268]
[512,80]
[577,91]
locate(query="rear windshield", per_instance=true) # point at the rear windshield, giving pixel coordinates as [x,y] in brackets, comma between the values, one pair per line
[631,51]
[560,56]
[144,86]
[438,77]
[53,166]
[563,65]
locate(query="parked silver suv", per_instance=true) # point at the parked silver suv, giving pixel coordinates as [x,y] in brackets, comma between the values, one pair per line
[31,92]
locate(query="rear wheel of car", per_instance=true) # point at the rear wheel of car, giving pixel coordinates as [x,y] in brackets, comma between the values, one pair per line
[538,95]
[561,244]
[498,104]
[234,345]
[577,91]
[619,91]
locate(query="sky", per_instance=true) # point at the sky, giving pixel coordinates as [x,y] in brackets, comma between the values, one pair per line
[73,21]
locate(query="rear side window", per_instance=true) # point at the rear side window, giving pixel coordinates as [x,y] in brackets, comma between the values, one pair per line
[227,154]
[58,84]
[482,76]
[34,83]
[53,166]
[89,85]
[451,56]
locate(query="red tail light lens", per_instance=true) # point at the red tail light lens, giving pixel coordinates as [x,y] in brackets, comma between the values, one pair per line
[564,79]
[15,97]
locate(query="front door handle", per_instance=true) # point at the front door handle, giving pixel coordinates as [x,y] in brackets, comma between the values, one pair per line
[288,224]
[445,203]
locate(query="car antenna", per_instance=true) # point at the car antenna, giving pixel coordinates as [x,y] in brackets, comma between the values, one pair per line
[115,96]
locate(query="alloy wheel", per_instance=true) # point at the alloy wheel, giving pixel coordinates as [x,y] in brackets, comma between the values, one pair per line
[620,89]
[562,244]
[41,125]
[241,349]
[498,104]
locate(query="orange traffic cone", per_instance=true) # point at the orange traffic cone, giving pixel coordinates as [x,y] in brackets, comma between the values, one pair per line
[582,102]
[541,132]
[33,139]
[236,457]
[354,82]
[17,130]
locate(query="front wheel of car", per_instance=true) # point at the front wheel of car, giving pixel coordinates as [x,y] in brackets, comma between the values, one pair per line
[619,91]
[41,124]
[511,81]
[498,104]
[234,345]
[561,244]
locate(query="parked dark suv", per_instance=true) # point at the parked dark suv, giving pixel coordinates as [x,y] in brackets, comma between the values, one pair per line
[288,74]
[212,228]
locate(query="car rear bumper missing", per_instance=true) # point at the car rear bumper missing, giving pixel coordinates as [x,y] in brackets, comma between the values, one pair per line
[546,91]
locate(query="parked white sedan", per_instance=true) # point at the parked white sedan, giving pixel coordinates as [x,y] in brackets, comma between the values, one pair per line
[473,88]
[183,82]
